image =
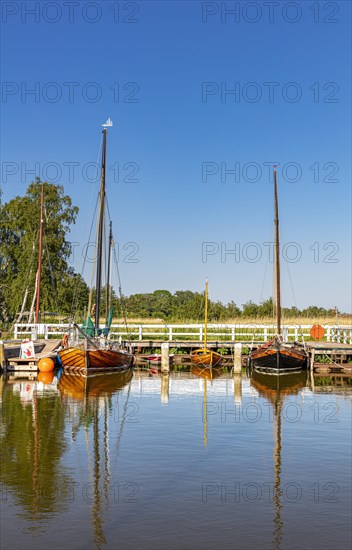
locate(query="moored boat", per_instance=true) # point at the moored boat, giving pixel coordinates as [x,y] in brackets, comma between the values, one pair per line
[98,360]
[277,354]
[204,356]
[92,352]
[156,357]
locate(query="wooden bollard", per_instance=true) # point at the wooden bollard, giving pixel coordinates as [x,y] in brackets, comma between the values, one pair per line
[311,370]
[2,355]
[165,359]
[312,357]
[237,360]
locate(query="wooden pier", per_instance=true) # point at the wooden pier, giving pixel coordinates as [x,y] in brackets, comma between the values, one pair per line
[14,363]
[339,355]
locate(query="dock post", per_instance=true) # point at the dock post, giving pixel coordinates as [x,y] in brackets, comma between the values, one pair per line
[2,355]
[165,384]
[165,359]
[312,359]
[34,333]
[311,370]
[237,362]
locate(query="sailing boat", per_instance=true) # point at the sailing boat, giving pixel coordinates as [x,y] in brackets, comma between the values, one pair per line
[278,355]
[94,353]
[204,356]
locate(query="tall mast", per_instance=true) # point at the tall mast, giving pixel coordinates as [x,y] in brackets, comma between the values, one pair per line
[277,258]
[39,272]
[206,314]
[101,222]
[108,274]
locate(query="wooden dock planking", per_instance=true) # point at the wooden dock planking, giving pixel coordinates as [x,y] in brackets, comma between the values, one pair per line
[339,353]
[15,363]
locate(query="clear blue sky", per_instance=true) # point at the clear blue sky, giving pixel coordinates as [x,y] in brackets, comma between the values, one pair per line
[169,123]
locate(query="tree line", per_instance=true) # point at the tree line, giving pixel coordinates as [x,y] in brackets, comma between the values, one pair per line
[65,292]
[187,306]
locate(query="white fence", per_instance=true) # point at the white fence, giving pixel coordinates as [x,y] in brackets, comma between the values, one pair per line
[166,332]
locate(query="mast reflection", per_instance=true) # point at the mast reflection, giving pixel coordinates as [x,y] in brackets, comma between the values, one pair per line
[207,374]
[274,387]
[93,395]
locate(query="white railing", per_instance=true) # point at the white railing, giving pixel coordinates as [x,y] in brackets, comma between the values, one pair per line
[42,329]
[170,332]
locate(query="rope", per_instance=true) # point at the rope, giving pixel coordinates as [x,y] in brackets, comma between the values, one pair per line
[294,298]
[115,261]
[123,309]
[56,303]
[29,272]
[75,294]
[93,192]
[330,359]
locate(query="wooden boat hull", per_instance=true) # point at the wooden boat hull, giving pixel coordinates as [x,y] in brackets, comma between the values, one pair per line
[95,360]
[278,357]
[205,358]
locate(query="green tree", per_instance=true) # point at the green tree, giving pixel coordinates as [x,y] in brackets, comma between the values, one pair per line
[19,229]
[232,311]
[266,308]
[250,309]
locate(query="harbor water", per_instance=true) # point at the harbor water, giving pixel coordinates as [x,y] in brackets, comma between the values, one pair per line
[178,461]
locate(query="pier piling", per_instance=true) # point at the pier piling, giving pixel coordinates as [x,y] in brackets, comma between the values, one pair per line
[165,358]
[312,357]
[237,361]
[2,355]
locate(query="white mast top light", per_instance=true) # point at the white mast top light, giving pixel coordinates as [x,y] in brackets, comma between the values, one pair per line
[108,123]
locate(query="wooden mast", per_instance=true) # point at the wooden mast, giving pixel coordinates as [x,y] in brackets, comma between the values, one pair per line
[206,314]
[108,273]
[277,258]
[40,247]
[100,231]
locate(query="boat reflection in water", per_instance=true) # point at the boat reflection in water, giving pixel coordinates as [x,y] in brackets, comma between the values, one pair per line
[92,397]
[207,374]
[100,385]
[274,387]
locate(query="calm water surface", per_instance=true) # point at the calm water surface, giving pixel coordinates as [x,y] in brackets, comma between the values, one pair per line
[180,462]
